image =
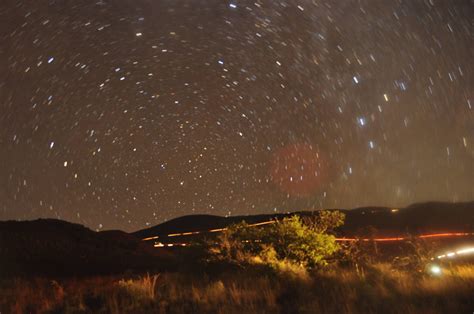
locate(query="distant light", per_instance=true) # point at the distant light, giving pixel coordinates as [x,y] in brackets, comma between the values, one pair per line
[385,96]
[361,121]
[233,6]
[355,80]
[51,145]
[394,210]
[138,34]
[50,60]
[220,62]
[371,144]
[466,251]
[435,269]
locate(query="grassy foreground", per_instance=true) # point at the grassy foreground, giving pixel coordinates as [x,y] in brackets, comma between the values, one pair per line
[377,289]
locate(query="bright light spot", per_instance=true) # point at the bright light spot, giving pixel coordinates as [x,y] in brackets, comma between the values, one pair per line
[435,269]
[220,62]
[371,144]
[451,254]
[233,6]
[51,145]
[138,34]
[361,121]
[65,164]
[356,80]
[385,96]
[394,210]
[50,60]
[466,251]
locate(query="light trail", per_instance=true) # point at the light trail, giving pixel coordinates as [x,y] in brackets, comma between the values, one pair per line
[465,251]
[370,239]
[344,239]
[207,231]
[159,244]
[422,236]
[448,234]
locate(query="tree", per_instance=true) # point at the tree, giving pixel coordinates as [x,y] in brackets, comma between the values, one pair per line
[291,240]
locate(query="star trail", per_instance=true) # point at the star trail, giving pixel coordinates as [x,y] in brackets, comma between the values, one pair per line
[124,114]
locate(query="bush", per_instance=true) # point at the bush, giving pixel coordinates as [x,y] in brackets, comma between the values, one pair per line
[306,244]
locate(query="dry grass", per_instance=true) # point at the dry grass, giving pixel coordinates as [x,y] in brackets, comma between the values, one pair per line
[375,290]
[141,288]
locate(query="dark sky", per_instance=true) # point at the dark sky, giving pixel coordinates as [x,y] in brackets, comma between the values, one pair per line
[127,113]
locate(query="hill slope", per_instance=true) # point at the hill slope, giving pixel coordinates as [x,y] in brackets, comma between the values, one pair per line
[417,218]
[54,247]
[48,246]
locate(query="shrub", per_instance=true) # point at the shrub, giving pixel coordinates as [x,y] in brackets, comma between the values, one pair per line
[290,240]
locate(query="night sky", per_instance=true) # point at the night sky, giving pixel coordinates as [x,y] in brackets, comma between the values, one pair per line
[126,113]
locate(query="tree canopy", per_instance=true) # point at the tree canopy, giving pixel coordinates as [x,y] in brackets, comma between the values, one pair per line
[305,242]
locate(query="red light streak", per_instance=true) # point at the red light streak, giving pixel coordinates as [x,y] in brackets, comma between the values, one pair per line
[344,239]
[423,236]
